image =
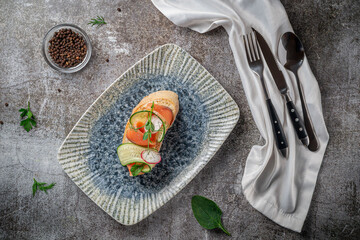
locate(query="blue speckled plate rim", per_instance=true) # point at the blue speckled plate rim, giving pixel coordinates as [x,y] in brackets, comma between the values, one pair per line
[197,170]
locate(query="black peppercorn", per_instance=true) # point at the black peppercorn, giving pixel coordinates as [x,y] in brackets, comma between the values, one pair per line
[67,48]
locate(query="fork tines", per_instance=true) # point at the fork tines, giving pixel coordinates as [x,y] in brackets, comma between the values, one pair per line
[252,47]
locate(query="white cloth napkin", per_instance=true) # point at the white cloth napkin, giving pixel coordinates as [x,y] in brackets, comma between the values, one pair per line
[279,188]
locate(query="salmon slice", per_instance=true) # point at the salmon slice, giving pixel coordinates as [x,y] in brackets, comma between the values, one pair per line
[164,113]
[136,136]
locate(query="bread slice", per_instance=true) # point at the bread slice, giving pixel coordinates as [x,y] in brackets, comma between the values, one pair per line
[164,98]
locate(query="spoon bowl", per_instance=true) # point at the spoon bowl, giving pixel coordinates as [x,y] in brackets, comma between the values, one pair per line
[291,54]
[295,53]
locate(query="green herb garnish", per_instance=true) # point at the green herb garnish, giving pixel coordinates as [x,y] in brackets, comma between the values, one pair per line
[97,21]
[41,186]
[29,121]
[136,169]
[149,127]
[207,213]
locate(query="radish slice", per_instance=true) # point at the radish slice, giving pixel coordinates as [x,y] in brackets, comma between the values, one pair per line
[156,122]
[150,156]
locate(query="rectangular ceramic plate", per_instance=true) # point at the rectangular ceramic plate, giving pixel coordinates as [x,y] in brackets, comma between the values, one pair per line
[206,117]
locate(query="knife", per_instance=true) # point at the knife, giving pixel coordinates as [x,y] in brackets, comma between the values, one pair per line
[283,88]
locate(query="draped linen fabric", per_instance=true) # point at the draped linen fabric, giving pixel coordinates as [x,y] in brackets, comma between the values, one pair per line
[279,188]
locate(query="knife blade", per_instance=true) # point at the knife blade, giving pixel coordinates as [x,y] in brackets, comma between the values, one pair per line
[283,88]
[271,62]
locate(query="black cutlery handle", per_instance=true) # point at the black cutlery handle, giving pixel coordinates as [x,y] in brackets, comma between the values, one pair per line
[278,131]
[314,143]
[296,121]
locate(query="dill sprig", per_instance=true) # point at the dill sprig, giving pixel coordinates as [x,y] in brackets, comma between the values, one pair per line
[97,21]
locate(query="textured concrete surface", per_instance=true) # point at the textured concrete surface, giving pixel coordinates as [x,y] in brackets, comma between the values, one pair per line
[330,30]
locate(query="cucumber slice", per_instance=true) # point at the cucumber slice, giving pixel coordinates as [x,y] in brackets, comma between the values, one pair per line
[142,116]
[138,117]
[131,153]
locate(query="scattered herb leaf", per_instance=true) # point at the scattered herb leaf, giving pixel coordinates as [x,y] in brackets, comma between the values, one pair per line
[207,213]
[97,21]
[30,121]
[41,186]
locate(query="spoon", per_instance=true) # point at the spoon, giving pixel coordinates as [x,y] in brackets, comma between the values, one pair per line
[292,55]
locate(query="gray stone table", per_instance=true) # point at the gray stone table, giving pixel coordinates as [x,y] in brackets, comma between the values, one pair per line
[330,31]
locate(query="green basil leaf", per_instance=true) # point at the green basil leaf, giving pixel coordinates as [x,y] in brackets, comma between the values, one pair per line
[207,213]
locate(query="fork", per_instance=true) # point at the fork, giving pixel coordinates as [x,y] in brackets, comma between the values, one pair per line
[253,55]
